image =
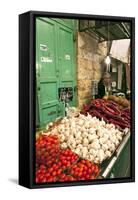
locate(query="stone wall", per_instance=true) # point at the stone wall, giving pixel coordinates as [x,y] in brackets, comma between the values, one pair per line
[90,58]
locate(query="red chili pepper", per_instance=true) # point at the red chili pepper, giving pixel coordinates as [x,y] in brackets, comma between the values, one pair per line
[97,102]
[99,109]
[112,103]
[105,118]
[86,107]
[126,110]
[125,116]
[121,124]
[96,113]
[110,110]
[114,108]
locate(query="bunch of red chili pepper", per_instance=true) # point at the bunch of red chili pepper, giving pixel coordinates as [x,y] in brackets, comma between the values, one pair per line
[109,111]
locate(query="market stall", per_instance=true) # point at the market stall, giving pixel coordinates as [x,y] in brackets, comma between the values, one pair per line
[94,138]
[83,126]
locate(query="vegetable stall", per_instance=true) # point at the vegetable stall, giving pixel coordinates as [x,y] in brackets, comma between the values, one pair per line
[84,145]
[83,100]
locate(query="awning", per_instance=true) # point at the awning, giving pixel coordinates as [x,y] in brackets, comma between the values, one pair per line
[120,50]
[106,30]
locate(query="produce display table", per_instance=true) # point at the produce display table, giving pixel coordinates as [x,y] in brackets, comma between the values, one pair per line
[98,136]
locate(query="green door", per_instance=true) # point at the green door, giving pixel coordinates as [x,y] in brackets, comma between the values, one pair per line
[55,67]
[67,59]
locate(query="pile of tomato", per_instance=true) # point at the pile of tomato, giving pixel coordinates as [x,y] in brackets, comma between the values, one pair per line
[56,165]
[84,170]
[47,150]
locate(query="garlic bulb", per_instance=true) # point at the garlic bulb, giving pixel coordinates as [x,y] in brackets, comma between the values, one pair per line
[73,145]
[50,124]
[80,122]
[84,150]
[105,147]
[93,152]
[86,125]
[47,127]
[78,134]
[91,158]
[101,155]
[112,148]
[97,160]
[64,145]
[126,130]
[92,130]
[116,142]
[80,146]
[108,154]
[94,136]
[77,150]
[62,138]
[95,145]
[67,133]
[102,140]
[84,134]
[100,133]
[85,142]
[109,143]
[78,141]
[119,137]
[90,138]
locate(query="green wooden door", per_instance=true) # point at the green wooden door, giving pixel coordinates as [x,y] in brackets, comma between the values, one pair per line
[55,67]
[66,57]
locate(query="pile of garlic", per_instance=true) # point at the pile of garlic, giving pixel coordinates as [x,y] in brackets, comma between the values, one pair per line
[89,137]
